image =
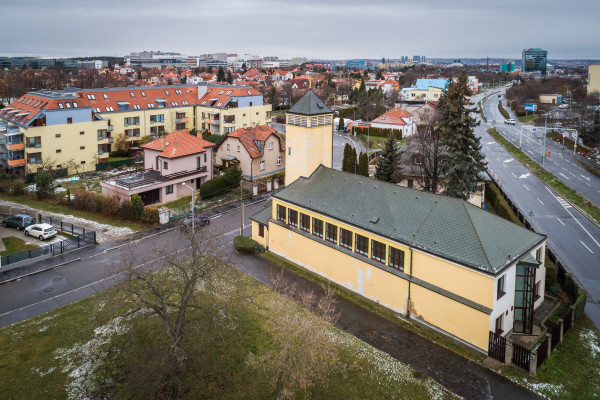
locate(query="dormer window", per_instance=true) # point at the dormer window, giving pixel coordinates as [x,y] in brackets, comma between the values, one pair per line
[143,94]
[132,95]
[221,92]
[91,97]
[167,92]
[229,92]
[75,105]
[60,105]
[105,96]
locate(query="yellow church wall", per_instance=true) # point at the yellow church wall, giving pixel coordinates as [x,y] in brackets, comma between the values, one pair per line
[464,281]
[350,272]
[457,319]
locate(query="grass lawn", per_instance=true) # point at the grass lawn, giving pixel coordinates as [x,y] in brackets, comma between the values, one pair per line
[60,209]
[82,351]
[573,370]
[571,195]
[379,142]
[181,203]
[15,245]
[527,118]
[118,158]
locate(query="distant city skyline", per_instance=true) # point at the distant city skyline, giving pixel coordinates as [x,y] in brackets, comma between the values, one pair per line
[313,29]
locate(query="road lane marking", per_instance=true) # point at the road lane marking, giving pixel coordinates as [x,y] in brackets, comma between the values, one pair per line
[586,247]
[513,174]
[564,176]
[530,152]
[563,224]
[525,187]
[538,199]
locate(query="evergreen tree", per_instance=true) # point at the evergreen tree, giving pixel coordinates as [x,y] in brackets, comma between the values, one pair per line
[363,165]
[229,78]
[44,185]
[138,205]
[362,87]
[388,160]
[341,124]
[354,162]
[346,159]
[463,160]
[209,70]
[220,75]
[244,67]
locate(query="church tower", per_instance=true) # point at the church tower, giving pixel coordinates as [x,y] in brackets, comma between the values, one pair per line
[309,137]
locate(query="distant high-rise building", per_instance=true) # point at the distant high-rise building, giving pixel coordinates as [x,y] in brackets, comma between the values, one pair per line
[535,60]
[506,66]
[416,59]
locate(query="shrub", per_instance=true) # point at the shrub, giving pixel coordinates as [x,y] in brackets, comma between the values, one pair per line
[126,211]
[216,139]
[110,205]
[83,200]
[17,188]
[44,186]
[212,188]
[150,216]
[138,205]
[5,186]
[245,244]
[579,306]
[232,177]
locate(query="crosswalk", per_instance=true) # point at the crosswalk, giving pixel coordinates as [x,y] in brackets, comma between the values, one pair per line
[563,202]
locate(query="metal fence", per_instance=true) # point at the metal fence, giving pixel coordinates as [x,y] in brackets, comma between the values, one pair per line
[81,237]
[542,352]
[497,346]
[521,356]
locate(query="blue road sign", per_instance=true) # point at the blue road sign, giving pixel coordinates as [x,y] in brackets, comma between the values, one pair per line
[534,129]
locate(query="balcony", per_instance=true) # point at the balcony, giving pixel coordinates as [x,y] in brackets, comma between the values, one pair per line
[110,128]
[16,162]
[182,120]
[16,146]
[111,140]
[213,121]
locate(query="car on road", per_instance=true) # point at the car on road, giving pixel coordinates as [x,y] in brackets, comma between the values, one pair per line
[41,231]
[563,106]
[198,221]
[19,221]
[510,121]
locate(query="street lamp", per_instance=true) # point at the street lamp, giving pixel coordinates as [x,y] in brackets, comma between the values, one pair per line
[193,213]
[509,105]
[544,145]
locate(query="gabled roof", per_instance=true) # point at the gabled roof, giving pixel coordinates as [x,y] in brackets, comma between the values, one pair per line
[178,144]
[393,117]
[251,139]
[310,104]
[444,226]
[219,95]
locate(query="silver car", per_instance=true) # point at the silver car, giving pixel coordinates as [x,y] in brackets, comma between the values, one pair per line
[40,231]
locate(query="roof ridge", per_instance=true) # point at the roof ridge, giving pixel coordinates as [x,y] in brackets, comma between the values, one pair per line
[464,204]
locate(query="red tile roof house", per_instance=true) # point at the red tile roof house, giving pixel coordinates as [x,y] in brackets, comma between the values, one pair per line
[396,118]
[259,152]
[169,162]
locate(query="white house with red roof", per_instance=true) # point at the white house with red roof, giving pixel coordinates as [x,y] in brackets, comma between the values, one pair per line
[396,118]
[169,162]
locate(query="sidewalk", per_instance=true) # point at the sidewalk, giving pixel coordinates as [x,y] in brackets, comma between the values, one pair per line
[460,375]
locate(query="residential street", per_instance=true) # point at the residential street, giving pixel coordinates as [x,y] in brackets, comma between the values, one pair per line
[573,238]
[339,142]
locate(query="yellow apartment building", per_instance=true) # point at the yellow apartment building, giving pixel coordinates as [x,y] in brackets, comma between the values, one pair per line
[77,128]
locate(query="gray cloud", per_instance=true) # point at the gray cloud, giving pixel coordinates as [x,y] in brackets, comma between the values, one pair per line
[311,28]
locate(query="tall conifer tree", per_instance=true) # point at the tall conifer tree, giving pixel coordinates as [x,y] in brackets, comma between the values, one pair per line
[363,165]
[387,163]
[463,161]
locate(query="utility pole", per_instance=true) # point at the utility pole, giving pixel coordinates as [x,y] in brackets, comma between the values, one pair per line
[242,207]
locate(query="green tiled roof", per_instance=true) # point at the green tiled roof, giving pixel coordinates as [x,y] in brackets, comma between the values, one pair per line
[263,215]
[310,104]
[450,228]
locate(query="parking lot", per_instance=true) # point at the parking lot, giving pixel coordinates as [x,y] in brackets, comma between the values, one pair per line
[8,232]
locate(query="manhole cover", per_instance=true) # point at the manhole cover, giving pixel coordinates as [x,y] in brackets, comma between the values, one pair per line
[48,289]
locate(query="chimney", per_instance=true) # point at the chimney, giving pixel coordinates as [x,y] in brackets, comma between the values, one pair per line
[163,142]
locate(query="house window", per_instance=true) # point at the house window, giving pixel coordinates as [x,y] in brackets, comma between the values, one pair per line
[317,227]
[270,145]
[69,120]
[165,165]
[538,254]
[58,150]
[169,189]
[81,133]
[305,222]
[81,147]
[204,157]
[228,146]
[346,238]
[362,245]
[289,151]
[262,165]
[378,251]
[538,290]
[261,230]
[501,282]
[238,149]
[396,259]
[281,213]
[57,135]
[409,183]
[197,162]
[293,217]
[331,233]
[499,323]
[278,160]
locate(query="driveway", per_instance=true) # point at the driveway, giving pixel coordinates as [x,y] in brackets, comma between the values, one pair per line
[339,142]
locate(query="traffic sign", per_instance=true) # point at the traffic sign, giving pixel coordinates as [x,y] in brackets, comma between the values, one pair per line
[562,131]
[530,107]
[534,129]
[547,153]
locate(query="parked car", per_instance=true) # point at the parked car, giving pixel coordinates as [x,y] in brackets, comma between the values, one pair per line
[40,231]
[563,106]
[199,221]
[509,121]
[19,221]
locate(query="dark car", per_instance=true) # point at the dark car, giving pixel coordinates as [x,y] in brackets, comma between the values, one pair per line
[198,221]
[19,221]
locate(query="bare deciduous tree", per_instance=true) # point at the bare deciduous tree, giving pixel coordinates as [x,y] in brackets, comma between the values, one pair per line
[179,277]
[303,353]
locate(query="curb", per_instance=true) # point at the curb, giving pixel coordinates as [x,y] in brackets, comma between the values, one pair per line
[40,271]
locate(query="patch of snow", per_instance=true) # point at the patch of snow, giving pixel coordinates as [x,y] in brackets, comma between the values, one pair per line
[591,339]
[70,179]
[60,189]
[42,373]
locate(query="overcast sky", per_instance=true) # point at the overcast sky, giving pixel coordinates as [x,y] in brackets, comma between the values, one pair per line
[310,28]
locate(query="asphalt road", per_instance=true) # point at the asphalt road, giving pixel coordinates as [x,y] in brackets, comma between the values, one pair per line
[573,238]
[339,142]
[45,291]
[561,162]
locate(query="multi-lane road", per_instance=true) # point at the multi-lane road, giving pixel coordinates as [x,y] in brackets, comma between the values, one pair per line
[573,238]
[561,162]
